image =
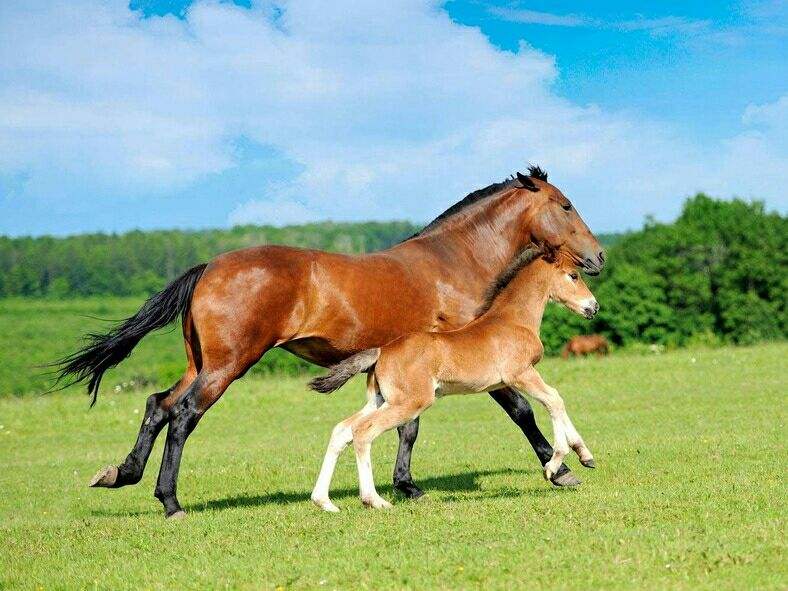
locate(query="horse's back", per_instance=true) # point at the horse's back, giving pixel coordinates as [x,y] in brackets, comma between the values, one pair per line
[319,305]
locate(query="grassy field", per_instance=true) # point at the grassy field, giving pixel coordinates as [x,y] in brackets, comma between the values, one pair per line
[689,492]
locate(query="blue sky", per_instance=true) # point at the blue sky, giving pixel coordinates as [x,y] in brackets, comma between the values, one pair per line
[207,114]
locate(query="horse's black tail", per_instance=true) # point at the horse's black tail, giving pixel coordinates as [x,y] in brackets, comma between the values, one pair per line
[104,351]
[340,373]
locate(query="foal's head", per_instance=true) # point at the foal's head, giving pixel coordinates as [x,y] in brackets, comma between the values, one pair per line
[566,286]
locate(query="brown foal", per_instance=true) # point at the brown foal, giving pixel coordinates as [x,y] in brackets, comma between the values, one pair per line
[500,348]
[325,307]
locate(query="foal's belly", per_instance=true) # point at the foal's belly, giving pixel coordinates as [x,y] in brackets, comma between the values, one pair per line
[466,387]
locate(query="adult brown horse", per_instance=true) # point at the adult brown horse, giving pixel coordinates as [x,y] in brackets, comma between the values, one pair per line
[325,307]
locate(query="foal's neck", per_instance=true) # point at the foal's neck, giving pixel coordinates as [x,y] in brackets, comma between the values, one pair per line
[523,301]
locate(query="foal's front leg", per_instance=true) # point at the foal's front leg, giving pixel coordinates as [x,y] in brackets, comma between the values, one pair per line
[520,411]
[564,432]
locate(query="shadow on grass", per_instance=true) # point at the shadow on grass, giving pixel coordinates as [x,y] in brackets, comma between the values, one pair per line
[457,485]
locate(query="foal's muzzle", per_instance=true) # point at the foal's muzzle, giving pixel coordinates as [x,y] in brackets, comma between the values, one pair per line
[591,310]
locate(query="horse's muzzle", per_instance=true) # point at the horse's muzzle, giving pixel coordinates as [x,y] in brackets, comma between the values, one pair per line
[593,266]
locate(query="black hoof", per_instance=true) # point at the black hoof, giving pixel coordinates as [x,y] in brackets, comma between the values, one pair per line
[566,479]
[588,463]
[408,490]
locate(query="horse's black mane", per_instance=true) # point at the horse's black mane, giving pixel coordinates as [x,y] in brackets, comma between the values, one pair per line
[533,171]
[505,277]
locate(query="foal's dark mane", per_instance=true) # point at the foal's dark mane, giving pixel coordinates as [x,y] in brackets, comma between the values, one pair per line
[471,198]
[505,277]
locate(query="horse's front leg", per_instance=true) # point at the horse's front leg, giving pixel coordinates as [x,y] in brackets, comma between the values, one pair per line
[521,412]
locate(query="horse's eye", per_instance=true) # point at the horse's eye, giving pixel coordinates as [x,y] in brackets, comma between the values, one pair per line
[567,206]
[574,276]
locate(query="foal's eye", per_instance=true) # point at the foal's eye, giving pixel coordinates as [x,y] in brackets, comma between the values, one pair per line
[567,206]
[574,276]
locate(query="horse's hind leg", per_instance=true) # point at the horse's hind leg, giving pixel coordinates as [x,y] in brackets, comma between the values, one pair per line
[184,414]
[132,468]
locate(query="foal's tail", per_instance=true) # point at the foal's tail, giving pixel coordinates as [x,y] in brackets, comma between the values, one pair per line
[104,351]
[339,374]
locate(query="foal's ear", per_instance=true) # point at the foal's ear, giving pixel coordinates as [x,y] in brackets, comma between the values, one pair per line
[527,182]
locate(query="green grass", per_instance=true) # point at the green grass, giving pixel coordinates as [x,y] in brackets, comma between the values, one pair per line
[689,492]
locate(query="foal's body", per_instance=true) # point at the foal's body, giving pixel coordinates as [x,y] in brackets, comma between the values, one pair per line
[498,349]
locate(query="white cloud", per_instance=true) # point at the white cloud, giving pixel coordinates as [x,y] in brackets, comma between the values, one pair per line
[666,25]
[389,109]
[534,17]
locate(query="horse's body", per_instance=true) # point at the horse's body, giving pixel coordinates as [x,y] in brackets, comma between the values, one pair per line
[585,344]
[324,307]
[497,349]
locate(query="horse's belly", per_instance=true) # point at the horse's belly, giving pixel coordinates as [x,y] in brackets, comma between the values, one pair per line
[318,350]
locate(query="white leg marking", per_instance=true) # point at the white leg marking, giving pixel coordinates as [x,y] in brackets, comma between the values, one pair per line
[548,396]
[341,436]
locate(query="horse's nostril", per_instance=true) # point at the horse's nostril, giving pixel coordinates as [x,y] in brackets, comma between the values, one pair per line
[601,256]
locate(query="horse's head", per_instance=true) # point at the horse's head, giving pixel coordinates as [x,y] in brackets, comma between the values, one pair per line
[555,223]
[567,287]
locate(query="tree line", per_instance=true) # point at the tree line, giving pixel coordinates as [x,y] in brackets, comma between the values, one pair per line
[140,263]
[718,273]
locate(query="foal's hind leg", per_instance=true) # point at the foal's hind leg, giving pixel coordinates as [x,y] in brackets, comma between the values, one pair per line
[340,437]
[367,428]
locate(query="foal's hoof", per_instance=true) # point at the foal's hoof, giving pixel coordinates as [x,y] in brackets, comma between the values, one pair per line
[376,503]
[326,505]
[177,515]
[106,477]
[408,490]
[589,463]
[566,479]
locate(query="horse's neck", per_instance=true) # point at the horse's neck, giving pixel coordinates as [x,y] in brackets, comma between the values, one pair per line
[476,244]
[523,301]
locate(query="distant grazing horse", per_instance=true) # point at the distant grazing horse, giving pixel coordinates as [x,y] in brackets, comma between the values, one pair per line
[500,348]
[324,307]
[585,344]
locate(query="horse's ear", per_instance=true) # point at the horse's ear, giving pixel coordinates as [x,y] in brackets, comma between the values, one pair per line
[527,182]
